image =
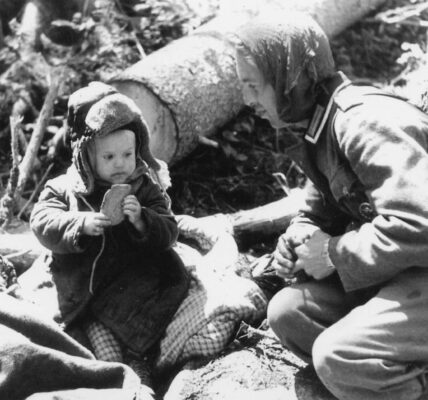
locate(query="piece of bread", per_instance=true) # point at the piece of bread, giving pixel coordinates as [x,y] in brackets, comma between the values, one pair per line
[112,202]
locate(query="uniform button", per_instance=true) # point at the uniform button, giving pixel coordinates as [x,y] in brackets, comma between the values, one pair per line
[366,211]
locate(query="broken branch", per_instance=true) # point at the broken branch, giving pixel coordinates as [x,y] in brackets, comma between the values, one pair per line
[38,133]
[36,190]
[7,202]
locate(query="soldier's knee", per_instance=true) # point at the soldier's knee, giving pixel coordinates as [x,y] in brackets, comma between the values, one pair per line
[324,356]
[335,365]
[284,314]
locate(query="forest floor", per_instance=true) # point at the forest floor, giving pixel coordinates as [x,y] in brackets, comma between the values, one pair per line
[239,174]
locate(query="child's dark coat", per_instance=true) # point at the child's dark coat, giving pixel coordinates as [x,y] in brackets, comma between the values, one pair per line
[132,282]
[138,281]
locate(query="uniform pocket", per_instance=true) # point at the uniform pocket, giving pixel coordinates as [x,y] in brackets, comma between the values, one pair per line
[350,195]
[343,183]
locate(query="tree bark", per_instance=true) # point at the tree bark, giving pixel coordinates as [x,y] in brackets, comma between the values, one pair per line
[190,89]
[267,220]
[249,226]
[333,15]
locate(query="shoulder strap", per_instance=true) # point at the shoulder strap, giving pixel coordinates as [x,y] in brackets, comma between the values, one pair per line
[354,96]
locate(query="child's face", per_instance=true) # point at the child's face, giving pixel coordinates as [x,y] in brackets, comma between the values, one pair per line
[115,156]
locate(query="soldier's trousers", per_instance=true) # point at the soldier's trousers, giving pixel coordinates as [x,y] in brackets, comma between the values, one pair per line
[368,344]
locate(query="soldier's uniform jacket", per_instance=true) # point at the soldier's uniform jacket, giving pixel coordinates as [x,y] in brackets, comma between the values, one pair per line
[366,154]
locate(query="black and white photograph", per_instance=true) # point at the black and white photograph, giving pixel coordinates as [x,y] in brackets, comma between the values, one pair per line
[213,200]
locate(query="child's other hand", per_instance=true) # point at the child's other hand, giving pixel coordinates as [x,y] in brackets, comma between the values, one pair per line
[132,208]
[95,223]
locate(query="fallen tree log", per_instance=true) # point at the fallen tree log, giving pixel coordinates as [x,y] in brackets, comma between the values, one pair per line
[189,88]
[252,225]
[333,15]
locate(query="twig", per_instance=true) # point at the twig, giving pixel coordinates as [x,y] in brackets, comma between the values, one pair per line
[133,32]
[7,202]
[35,191]
[38,133]
[138,44]
[251,332]
[418,23]
[208,142]
[410,22]
[400,14]
[282,181]
[17,254]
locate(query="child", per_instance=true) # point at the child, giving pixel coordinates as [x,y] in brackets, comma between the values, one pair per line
[121,283]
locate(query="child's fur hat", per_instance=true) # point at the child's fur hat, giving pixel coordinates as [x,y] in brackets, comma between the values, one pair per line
[98,110]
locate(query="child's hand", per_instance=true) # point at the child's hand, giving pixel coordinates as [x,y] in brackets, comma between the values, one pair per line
[132,208]
[95,223]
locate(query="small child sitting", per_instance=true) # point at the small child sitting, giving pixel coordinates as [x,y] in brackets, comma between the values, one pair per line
[119,280]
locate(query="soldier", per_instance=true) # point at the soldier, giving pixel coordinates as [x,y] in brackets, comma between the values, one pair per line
[361,237]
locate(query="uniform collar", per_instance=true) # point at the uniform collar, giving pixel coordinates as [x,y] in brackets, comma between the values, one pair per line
[322,111]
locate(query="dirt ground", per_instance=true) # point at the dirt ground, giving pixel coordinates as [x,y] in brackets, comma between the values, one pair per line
[255,366]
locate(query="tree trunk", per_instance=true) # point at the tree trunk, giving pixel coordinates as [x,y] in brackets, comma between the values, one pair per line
[257,223]
[189,88]
[333,15]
